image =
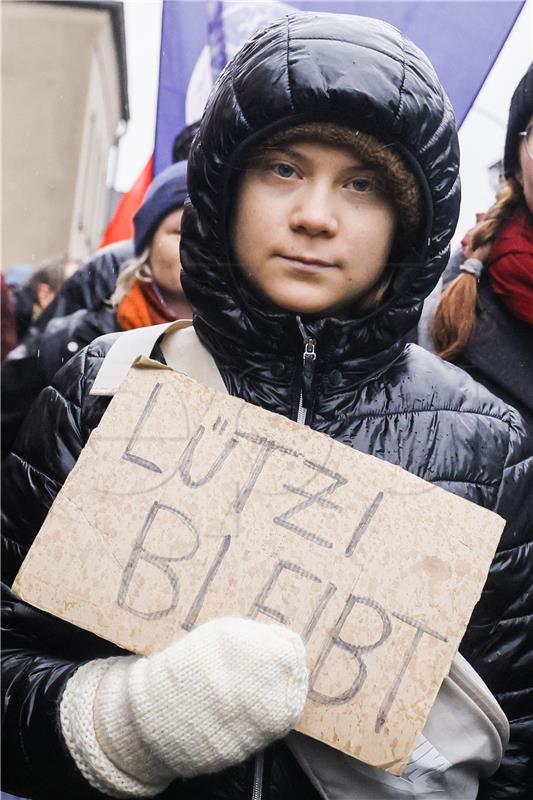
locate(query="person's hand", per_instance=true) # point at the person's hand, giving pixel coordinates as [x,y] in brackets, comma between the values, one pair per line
[207,701]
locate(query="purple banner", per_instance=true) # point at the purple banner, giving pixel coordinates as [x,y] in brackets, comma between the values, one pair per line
[216,38]
[462,40]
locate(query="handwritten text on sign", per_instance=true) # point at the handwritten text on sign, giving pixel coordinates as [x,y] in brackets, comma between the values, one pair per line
[187,505]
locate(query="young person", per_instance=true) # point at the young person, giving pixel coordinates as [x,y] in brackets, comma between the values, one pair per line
[484,320]
[148,289]
[324,192]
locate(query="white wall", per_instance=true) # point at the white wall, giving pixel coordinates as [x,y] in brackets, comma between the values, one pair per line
[142,22]
[102,112]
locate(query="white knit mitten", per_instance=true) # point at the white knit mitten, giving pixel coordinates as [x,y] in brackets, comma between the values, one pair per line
[209,700]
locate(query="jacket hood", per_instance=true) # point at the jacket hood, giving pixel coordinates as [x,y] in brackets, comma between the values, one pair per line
[360,73]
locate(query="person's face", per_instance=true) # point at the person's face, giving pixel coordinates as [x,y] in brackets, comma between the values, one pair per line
[525,173]
[312,229]
[44,292]
[44,295]
[165,254]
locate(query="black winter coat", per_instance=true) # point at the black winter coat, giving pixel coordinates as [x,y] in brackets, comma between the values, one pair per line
[77,316]
[90,285]
[366,390]
[500,353]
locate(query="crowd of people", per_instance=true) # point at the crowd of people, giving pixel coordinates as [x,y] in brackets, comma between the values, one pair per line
[301,230]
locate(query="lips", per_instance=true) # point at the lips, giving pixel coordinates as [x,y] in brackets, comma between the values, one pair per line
[308,262]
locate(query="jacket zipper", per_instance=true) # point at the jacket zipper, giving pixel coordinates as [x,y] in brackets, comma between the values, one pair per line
[259,763]
[308,371]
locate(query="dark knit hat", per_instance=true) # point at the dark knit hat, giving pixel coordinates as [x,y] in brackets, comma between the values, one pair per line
[166,193]
[520,111]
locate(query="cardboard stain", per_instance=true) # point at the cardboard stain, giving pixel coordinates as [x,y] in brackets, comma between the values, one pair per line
[187,504]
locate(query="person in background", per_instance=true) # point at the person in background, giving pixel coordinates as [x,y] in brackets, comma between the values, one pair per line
[18,274]
[40,289]
[96,280]
[49,279]
[181,146]
[88,288]
[8,321]
[321,206]
[148,291]
[79,313]
[484,318]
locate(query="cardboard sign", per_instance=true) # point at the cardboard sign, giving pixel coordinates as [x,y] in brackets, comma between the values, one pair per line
[187,504]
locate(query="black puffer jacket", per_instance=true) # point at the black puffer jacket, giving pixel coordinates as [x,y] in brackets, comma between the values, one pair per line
[90,285]
[77,316]
[500,353]
[34,362]
[368,391]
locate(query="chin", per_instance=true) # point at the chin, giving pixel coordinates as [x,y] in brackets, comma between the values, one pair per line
[305,309]
[298,304]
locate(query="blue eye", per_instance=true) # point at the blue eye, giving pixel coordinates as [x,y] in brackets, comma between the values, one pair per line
[283,170]
[362,185]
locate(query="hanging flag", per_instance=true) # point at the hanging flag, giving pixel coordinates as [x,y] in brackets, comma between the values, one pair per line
[120,226]
[462,40]
[215,38]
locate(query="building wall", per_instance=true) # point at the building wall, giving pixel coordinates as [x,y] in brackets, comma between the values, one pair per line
[102,113]
[61,109]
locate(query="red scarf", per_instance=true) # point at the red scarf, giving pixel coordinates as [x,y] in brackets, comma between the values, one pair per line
[511,265]
[141,307]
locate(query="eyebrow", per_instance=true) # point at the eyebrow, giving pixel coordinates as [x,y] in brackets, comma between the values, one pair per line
[296,154]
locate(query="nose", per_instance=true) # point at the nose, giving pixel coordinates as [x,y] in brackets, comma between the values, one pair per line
[313,212]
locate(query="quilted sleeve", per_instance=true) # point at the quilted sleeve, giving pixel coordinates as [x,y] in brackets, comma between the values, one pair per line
[45,451]
[502,623]
[40,652]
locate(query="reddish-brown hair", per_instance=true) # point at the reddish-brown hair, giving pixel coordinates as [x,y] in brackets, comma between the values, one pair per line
[455,318]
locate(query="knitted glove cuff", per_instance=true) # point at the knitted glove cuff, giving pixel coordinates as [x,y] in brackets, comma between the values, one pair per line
[123,731]
[78,728]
